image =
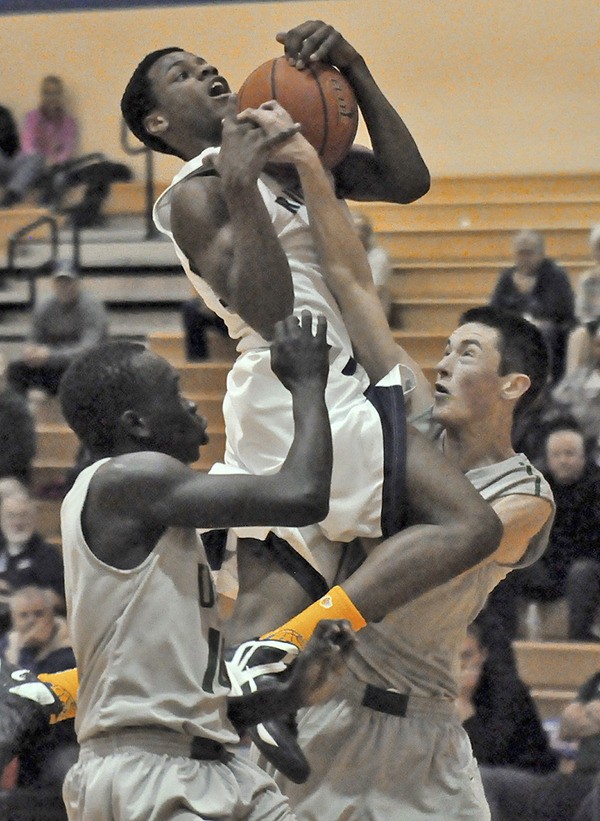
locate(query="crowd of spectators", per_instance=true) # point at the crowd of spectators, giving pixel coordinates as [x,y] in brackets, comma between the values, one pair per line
[44,157]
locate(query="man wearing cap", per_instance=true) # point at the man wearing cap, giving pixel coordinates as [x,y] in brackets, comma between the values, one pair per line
[65,324]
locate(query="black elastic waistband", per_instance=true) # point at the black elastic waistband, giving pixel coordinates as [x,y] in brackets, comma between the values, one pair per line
[385,701]
[203,749]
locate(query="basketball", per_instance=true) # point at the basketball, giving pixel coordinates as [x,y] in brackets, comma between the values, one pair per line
[319,98]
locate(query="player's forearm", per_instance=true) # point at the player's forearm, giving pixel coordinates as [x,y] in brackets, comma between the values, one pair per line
[310,458]
[340,251]
[345,266]
[404,174]
[260,282]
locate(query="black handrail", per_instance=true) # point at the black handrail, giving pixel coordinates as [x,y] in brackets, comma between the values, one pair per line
[17,237]
[151,230]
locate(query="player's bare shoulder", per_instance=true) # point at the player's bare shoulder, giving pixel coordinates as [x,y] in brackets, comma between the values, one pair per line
[197,209]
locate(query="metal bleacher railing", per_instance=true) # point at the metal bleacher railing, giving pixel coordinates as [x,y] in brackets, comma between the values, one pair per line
[32,271]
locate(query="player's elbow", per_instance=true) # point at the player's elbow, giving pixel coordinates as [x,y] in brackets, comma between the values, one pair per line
[312,505]
[416,187]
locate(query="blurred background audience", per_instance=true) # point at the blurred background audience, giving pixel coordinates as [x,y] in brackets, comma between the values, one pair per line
[39,641]
[495,706]
[379,261]
[514,794]
[575,535]
[67,323]
[19,171]
[539,289]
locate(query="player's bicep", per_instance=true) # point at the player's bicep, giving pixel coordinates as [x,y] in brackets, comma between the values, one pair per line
[201,229]
[522,518]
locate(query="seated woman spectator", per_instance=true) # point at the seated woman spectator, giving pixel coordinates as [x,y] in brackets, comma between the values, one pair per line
[538,289]
[50,132]
[587,307]
[495,706]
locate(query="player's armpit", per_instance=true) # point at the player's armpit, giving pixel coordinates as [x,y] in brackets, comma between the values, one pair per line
[522,517]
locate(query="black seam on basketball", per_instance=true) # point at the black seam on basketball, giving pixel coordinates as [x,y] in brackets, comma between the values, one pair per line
[273,87]
[325,112]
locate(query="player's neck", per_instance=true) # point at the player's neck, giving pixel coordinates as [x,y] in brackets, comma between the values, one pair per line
[475,446]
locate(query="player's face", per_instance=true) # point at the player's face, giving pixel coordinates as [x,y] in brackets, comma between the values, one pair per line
[467,384]
[190,93]
[173,424]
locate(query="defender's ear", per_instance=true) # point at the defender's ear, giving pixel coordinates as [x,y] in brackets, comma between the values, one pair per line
[134,425]
[155,123]
[515,385]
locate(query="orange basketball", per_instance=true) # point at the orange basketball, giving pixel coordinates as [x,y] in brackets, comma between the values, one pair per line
[319,98]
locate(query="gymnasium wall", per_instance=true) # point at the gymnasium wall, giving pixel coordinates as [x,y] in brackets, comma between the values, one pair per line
[486,86]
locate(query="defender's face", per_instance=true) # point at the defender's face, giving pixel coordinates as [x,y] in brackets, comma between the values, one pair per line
[190,93]
[467,384]
[173,425]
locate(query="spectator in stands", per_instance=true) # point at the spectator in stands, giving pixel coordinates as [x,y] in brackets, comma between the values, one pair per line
[40,642]
[495,706]
[51,132]
[578,393]
[540,290]
[513,793]
[379,261]
[25,557]
[197,319]
[575,534]
[18,171]
[17,432]
[587,306]
[65,325]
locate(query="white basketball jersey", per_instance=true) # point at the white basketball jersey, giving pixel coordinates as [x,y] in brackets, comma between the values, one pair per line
[147,640]
[415,649]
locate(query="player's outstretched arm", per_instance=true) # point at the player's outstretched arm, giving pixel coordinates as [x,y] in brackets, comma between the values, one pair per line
[314,677]
[223,226]
[162,492]
[343,259]
[394,171]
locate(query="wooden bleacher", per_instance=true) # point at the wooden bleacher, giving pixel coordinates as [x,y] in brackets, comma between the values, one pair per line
[554,671]
[17,217]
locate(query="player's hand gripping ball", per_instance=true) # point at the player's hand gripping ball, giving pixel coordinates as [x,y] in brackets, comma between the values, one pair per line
[319,98]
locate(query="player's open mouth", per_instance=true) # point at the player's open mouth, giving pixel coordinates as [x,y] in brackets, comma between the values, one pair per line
[218,87]
[439,388]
